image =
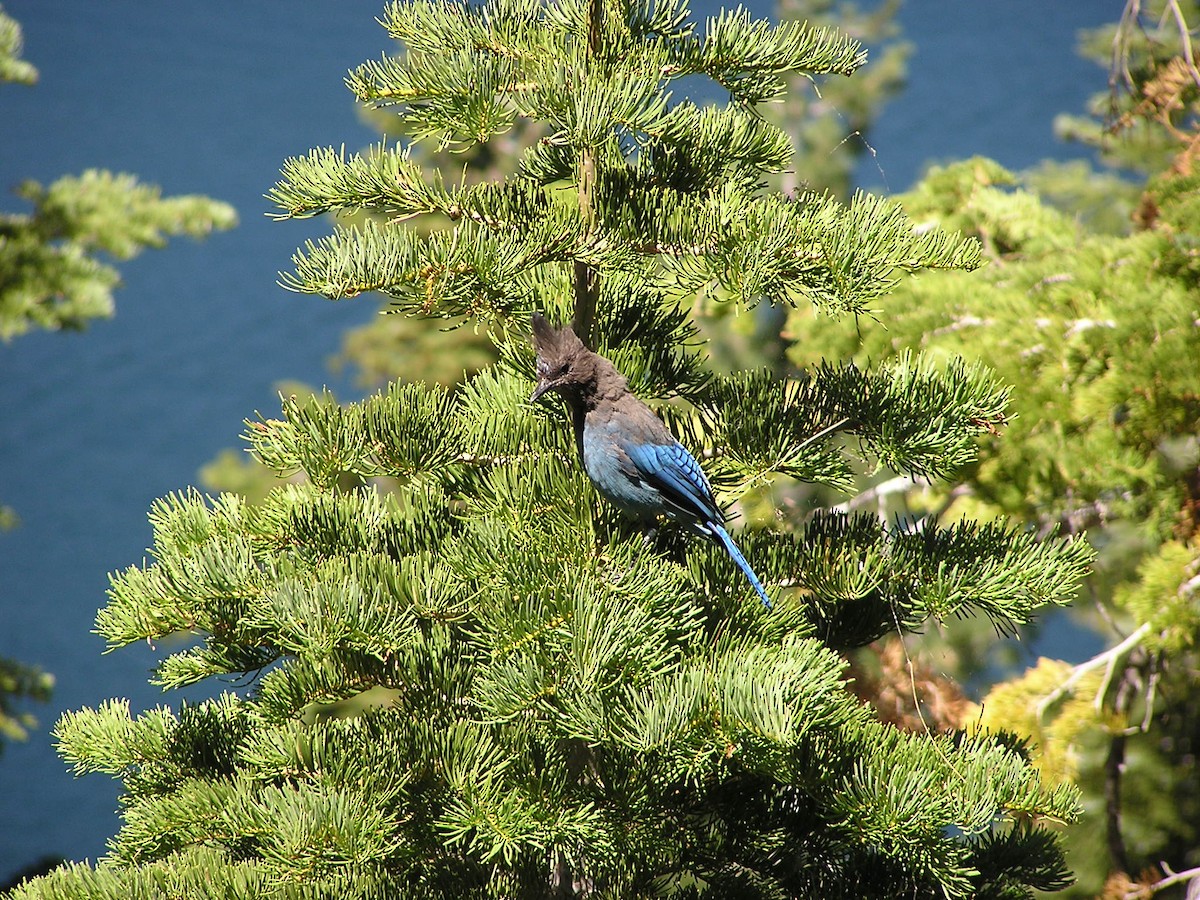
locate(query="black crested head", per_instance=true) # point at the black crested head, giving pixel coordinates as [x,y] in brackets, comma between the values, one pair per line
[564,364]
[567,367]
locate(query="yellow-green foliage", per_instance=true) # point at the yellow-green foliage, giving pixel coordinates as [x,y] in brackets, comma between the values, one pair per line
[19,682]
[407,348]
[1020,706]
[1167,596]
[1096,330]
[12,67]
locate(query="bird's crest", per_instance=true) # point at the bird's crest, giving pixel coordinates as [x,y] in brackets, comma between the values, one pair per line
[554,346]
[557,342]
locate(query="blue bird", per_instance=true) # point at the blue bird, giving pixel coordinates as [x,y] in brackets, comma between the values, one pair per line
[628,453]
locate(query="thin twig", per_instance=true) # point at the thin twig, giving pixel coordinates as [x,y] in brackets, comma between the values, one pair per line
[1192,584]
[897,485]
[1102,691]
[1101,659]
[1120,52]
[828,429]
[1172,878]
[1114,767]
[1185,39]
[1151,687]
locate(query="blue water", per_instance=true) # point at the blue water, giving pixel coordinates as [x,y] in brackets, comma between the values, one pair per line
[209,98]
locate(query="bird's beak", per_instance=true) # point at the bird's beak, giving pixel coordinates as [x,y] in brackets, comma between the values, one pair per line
[542,387]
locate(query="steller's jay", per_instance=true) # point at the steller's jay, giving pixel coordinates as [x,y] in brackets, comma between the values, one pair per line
[627,451]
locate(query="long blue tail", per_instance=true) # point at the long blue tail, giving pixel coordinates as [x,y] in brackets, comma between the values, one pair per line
[732,549]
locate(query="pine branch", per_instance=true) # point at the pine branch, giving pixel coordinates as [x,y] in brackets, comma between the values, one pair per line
[108,740]
[708,706]
[12,67]
[466,272]
[862,579]
[679,156]
[1009,859]
[749,56]
[505,29]
[918,419]
[766,248]
[51,275]
[406,432]
[915,418]
[382,180]
[454,96]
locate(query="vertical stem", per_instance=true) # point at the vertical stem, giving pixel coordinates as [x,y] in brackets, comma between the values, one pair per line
[587,279]
[1114,764]
[595,26]
[587,293]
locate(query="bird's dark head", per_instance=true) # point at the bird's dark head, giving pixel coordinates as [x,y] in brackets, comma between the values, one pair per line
[564,364]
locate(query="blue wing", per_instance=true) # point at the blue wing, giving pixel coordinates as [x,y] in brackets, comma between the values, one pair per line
[674,472]
[677,475]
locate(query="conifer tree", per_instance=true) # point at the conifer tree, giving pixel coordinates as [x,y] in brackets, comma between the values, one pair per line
[482,682]
[827,124]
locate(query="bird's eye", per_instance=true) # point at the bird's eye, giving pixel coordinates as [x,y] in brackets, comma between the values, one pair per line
[563,370]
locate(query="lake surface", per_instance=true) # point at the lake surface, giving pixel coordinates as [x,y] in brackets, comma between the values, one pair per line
[209,98]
